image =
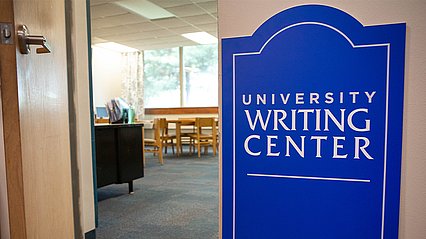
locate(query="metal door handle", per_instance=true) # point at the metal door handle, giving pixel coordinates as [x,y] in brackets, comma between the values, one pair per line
[25,40]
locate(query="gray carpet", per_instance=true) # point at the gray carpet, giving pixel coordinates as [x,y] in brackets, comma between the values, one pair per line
[178,200]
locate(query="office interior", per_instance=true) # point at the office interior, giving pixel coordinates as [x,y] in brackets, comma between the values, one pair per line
[160,58]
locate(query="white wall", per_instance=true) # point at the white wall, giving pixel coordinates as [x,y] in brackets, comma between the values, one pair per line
[242,17]
[107,75]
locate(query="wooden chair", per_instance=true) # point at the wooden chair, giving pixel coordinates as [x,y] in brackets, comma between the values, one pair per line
[205,134]
[187,128]
[167,139]
[155,145]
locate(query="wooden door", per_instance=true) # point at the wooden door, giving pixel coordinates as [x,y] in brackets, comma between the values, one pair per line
[36,125]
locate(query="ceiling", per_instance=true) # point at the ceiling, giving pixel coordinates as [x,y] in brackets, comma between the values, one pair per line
[110,22]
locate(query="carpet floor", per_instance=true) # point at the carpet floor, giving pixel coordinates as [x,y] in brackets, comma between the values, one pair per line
[178,200]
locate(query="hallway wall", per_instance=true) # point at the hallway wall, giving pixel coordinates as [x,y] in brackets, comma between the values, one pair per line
[107,75]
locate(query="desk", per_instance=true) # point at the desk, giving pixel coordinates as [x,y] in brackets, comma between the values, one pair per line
[119,157]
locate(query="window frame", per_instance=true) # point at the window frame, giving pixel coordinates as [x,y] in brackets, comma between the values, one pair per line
[183,109]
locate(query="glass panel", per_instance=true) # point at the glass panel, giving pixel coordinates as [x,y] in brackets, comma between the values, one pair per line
[200,78]
[161,78]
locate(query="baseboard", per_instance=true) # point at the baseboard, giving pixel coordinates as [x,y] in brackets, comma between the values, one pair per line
[90,235]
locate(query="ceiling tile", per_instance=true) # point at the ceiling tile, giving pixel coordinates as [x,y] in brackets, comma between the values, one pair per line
[186,10]
[128,37]
[213,33]
[170,3]
[99,23]
[161,33]
[144,26]
[98,2]
[112,23]
[118,20]
[111,31]
[208,27]
[124,39]
[200,1]
[163,39]
[170,22]
[105,10]
[139,36]
[127,19]
[200,19]
[210,6]
[96,40]
[182,30]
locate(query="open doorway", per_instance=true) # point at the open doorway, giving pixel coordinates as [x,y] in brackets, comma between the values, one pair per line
[161,56]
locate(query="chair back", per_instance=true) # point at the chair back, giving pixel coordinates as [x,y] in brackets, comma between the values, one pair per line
[163,127]
[156,143]
[157,130]
[202,138]
[205,123]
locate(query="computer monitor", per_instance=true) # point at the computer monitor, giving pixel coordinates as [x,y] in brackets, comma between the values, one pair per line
[101,112]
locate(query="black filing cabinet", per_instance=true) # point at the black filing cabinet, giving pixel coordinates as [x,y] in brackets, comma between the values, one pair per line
[118,154]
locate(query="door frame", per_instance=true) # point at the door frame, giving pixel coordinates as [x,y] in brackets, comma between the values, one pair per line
[11,129]
[81,116]
[92,116]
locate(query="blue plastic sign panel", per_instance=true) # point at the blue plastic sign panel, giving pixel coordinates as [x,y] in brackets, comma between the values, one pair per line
[312,128]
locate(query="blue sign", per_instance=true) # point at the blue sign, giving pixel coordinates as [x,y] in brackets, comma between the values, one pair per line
[312,128]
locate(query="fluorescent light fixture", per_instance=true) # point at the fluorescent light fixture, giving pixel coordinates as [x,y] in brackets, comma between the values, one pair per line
[145,8]
[115,47]
[201,37]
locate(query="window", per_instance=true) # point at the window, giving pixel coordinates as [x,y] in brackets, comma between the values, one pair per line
[197,86]
[200,78]
[161,78]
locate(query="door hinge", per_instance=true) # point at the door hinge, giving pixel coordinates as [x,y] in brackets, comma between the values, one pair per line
[6,33]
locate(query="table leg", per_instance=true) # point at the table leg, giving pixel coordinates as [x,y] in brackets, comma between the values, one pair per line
[143,146]
[131,187]
[178,140]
